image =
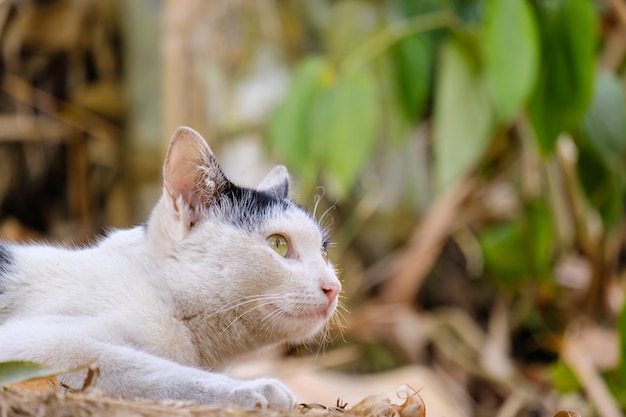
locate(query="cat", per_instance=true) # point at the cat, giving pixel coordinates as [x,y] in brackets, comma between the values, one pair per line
[162,308]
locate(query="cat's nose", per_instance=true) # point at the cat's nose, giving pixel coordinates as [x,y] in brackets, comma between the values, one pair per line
[331,289]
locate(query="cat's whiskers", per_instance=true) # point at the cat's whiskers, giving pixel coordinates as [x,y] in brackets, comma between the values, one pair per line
[239,316]
[234,304]
[269,299]
[337,321]
[327,225]
[270,320]
[323,338]
[248,304]
[317,199]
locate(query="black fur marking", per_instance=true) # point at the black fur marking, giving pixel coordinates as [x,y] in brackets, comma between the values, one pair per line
[6,260]
[248,207]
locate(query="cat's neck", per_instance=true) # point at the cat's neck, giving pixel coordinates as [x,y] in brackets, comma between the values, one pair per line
[220,340]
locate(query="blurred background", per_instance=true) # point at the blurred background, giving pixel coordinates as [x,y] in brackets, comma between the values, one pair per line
[468,156]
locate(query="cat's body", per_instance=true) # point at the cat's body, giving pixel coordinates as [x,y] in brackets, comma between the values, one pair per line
[218,271]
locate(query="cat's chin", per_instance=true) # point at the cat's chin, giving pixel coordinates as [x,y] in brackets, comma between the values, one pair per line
[308,321]
[307,315]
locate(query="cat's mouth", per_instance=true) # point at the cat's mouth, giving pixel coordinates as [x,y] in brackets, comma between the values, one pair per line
[319,313]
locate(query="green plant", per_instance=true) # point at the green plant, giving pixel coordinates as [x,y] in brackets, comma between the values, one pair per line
[510,92]
[17,371]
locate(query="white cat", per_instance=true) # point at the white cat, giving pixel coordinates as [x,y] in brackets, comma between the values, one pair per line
[218,271]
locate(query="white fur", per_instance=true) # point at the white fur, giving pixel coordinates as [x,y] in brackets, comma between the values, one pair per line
[161,309]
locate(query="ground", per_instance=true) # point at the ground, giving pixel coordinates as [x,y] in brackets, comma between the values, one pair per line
[43,398]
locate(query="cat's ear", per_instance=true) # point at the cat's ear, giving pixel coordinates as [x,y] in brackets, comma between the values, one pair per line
[191,175]
[276,182]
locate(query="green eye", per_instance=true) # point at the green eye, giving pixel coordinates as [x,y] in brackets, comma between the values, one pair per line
[325,255]
[279,244]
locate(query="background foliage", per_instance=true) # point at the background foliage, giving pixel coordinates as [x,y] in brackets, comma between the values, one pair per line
[510,96]
[469,155]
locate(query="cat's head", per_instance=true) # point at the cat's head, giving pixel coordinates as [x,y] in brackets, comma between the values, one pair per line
[250,260]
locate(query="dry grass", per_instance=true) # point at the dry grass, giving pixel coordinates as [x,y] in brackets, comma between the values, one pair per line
[17,402]
[42,398]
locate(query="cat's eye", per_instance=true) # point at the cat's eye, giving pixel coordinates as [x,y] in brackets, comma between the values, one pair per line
[279,244]
[325,254]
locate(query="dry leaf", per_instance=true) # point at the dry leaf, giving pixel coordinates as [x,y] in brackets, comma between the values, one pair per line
[568,413]
[40,385]
[378,405]
[374,405]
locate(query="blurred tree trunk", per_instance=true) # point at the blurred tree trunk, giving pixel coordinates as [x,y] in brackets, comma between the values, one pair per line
[182,90]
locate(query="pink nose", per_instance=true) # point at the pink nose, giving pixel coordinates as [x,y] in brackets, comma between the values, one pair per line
[331,289]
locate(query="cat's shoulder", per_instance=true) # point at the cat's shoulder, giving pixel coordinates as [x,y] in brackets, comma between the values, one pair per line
[6,257]
[121,239]
[6,261]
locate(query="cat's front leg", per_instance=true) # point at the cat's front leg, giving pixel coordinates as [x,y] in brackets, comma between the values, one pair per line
[256,393]
[64,343]
[127,372]
[184,383]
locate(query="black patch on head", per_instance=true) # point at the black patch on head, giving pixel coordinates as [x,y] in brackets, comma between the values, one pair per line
[6,260]
[247,208]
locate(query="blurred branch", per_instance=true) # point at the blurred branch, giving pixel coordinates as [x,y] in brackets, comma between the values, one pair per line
[392,34]
[26,127]
[179,88]
[620,10]
[578,358]
[45,102]
[409,268]
[614,45]
[591,236]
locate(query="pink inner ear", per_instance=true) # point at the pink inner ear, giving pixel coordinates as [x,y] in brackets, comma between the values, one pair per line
[183,172]
[183,184]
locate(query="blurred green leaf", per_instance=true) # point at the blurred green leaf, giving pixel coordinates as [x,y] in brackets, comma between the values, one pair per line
[540,237]
[603,186]
[343,127]
[412,58]
[503,255]
[463,118]
[616,382]
[562,377]
[328,120]
[604,125]
[16,371]
[510,50]
[601,148]
[288,127]
[568,37]
[522,247]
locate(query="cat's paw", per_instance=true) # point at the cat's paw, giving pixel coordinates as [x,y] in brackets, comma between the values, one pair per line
[261,393]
